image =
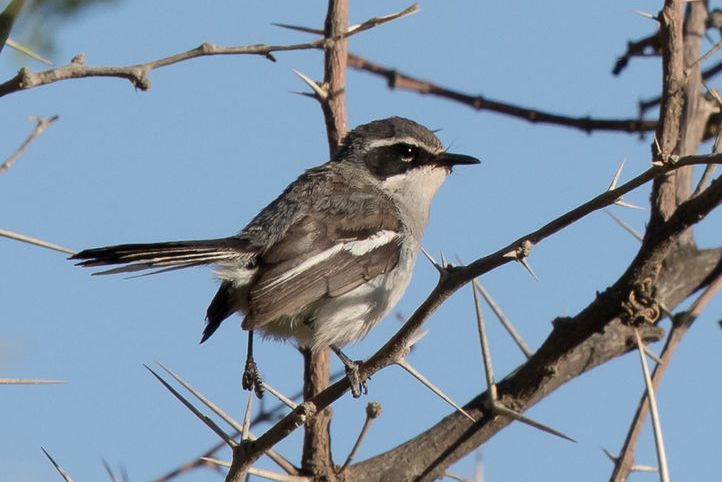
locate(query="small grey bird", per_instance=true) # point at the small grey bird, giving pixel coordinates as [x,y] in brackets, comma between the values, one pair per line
[325,261]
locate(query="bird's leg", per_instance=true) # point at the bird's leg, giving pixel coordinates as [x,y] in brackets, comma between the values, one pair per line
[357,386]
[251,376]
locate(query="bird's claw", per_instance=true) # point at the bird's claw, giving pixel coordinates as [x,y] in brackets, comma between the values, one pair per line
[251,379]
[358,386]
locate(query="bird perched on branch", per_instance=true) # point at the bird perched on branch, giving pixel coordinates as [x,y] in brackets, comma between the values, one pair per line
[325,261]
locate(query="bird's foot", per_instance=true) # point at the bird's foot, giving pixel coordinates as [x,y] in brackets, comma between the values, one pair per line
[252,378]
[358,386]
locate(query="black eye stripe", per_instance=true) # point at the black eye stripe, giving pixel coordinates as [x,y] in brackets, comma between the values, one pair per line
[392,159]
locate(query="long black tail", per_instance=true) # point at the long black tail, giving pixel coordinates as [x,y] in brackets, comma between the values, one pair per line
[166,256]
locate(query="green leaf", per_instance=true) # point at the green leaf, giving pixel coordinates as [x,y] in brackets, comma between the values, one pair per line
[7,19]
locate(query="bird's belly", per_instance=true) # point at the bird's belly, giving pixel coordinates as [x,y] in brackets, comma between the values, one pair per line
[347,318]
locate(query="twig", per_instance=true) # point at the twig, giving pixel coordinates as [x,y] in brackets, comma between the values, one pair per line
[397,80]
[40,125]
[35,241]
[373,411]
[138,74]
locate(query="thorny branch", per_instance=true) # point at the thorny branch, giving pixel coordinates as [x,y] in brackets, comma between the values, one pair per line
[694,210]
[138,74]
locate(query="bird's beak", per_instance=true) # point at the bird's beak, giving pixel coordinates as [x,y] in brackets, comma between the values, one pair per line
[448,159]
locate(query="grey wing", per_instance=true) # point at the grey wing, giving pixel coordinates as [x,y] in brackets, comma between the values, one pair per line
[310,263]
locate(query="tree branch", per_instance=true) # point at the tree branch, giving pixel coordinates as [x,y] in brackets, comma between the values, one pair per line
[536,378]
[397,80]
[138,74]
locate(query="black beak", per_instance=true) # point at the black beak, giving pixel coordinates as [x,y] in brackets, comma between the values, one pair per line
[448,159]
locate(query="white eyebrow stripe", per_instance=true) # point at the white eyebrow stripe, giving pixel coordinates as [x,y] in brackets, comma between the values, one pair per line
[403,140]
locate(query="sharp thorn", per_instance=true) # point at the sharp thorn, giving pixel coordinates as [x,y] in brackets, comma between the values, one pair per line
[615,179]
[527,266]
[502,410]
[416,374]
[317,89]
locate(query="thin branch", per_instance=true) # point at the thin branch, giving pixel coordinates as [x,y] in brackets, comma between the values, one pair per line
[137,74]
[40,125]
[373,411]
[693,211]
[34,241]
[397,80]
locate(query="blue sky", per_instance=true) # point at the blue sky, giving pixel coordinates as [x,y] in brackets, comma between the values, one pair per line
[215,139]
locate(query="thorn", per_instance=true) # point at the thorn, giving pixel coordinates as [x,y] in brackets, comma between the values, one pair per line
[500,409]
[245,433]
[320,92]
[444,263]
[653,356]
[433,262]
[263,473]
[203,399]
[22,49]
[654,413]
[527,266]
[646,15]
[621,202]
[633,468]
[415,338]
[416,374]
[60,470]
[29,381]
[112,476]
[304,94]
[658,148]
[618,173]
[299,28]
[286,401]
[624,225]
[485,352]
[503,319]
[520,254]
[210,423]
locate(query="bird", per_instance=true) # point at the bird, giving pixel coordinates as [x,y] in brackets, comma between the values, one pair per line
[329,257]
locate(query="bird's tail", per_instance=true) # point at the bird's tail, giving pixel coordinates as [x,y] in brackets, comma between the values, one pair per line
[164,256]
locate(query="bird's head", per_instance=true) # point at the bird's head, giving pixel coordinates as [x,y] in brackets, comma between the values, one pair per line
[403,156]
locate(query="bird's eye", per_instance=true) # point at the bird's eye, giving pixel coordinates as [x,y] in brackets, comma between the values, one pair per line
[407,152]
